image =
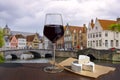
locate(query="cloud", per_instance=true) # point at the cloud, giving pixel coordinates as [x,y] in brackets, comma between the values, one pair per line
[29,15]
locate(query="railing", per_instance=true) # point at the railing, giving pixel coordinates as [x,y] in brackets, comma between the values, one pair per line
[3,49]
[14,49]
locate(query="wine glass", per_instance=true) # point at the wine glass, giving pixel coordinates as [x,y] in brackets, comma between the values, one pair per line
[53,30]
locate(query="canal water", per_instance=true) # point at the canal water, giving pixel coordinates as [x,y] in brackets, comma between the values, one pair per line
[40,60]
[46,60]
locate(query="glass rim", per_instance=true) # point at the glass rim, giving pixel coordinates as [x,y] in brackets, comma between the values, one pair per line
[53,14]
[48,14]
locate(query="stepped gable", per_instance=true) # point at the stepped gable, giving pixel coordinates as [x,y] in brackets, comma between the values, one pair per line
[92,23]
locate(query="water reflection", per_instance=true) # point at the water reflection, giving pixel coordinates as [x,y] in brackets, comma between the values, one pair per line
[40,60]
[106,62]
[46,60]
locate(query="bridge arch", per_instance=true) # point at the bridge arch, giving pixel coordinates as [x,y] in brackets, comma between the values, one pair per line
[14,56]
[92,57]
[35,54]
[48,55]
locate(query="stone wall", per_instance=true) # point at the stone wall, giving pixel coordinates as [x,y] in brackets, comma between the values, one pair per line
[65,54]
[101,54]
[116,57]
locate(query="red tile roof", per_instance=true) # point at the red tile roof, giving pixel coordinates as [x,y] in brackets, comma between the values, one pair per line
[106,23]
[19,36]
[30,38]
[77,28]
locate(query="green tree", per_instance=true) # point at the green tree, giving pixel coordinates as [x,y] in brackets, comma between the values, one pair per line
[115,27]
[1,44]
[1,38]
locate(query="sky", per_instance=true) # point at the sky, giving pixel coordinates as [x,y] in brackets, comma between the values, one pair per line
[29,15]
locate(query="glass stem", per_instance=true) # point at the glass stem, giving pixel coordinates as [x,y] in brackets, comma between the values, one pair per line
[54,54]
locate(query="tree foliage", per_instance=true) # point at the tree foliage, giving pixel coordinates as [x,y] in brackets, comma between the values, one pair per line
[1,44]
[1,58]
[115,27]
[1,38]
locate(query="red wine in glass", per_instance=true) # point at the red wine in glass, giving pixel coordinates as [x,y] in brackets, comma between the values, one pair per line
[53,32]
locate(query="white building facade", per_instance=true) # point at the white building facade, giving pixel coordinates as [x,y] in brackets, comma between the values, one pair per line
[99,35]
[41,46]
[21,43]
[6,42]
[67,39]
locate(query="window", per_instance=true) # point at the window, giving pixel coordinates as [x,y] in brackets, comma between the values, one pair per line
[93,35]
[35,44]
[106,43]
[80,36]
[96,28]
[80,31]
[117,43]
[97,43]
[74,31]
[96,34]
[100,42]
[88,44]
[88,36]
[106,34]
[81,43]
[99,34]
[91,44]
[117,35]
[7,31]
[75,37]
[75,43]
[111,43]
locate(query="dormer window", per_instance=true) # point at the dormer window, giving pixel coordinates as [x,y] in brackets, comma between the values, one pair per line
[74,31]
[80,31]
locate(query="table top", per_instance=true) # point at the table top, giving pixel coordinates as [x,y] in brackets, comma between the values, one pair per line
[34,71]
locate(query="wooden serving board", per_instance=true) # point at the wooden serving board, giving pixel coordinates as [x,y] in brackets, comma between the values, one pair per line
[99,70]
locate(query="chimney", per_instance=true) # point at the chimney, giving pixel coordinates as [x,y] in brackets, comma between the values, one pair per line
[84,28]
[67,25]
[84,25]
[118,20]
[92,21]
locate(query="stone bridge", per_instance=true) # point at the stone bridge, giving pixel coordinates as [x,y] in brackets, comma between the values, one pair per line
[42,52]
[18,52]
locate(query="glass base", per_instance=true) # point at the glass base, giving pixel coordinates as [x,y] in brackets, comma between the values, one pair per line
[53,69]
